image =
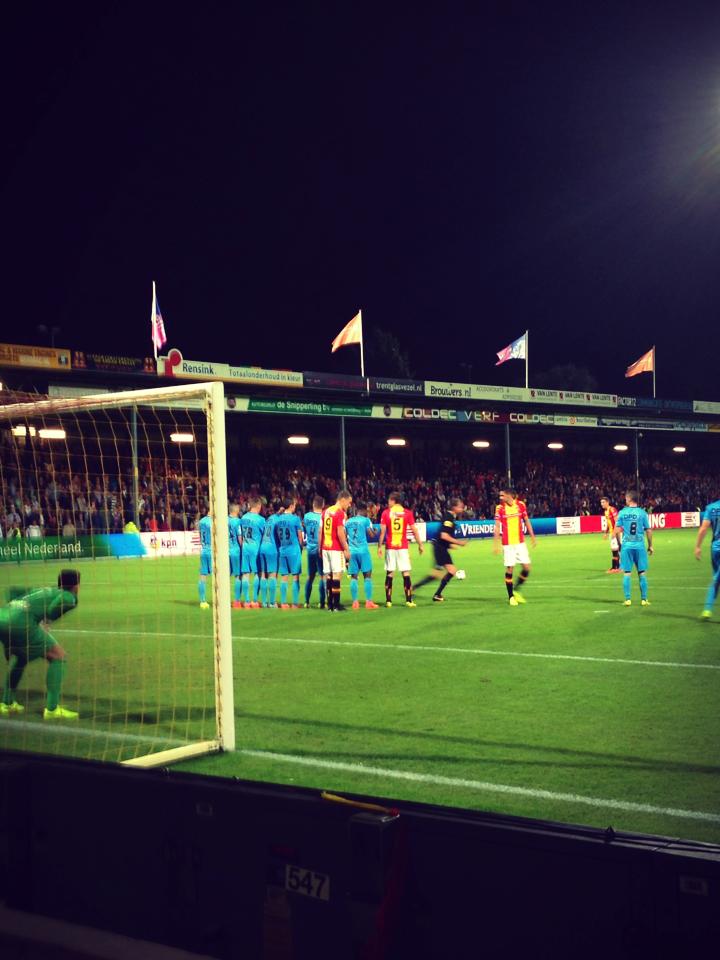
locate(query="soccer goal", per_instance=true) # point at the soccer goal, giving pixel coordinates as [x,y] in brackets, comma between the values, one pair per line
[127,665]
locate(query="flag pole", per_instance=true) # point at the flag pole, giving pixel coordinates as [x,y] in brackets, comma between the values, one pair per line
[152,323]
[362,348]
[654,359]
[362,355]
[527,358]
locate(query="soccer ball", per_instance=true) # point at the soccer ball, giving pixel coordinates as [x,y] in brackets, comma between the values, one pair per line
[460,575]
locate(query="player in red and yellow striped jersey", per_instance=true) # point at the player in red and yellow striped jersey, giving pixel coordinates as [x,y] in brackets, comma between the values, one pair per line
[333,541]
[510,515]
[611,516]
[394,525]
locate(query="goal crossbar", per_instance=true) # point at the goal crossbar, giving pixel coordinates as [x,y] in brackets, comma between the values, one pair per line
[160,396]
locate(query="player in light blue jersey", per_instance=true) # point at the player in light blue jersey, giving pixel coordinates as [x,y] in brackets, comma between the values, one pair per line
[359,529]
[253,527]
[710,521]
[234,548]
[268,563]
[289,538]
[312,522]
[205,530]
[632,527]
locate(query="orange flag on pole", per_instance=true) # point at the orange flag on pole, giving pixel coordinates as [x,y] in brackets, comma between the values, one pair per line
[351,333]
[646,364]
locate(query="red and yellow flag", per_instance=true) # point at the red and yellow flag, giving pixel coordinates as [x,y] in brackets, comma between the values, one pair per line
[351,333]
[646,364]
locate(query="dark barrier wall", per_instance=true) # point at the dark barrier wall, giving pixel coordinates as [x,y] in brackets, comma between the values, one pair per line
[235,869]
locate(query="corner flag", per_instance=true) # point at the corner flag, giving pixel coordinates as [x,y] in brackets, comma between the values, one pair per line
[157,326]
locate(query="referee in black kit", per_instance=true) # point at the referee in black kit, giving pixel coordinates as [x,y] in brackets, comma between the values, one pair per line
[445,569]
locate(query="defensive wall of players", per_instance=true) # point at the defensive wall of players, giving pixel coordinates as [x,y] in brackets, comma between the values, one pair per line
[187,543]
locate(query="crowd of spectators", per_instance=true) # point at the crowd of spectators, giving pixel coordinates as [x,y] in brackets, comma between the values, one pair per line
[43,500]
[547,489]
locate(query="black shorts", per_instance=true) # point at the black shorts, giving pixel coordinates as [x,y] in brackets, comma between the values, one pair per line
[442,556]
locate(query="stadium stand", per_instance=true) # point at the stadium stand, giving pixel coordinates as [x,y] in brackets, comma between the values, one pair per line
[64,502]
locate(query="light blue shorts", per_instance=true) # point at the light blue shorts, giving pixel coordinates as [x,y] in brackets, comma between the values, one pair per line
[634,555]
[291,563]
[250,561]
[360,562]
[268,560]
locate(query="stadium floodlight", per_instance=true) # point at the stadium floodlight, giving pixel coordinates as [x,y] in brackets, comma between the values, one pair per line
[49,433]
[679,449]
[149,674]
[22,431]
[620,447]
[298,441]
[555,446]
[481,444]
[395,442]
[182,438]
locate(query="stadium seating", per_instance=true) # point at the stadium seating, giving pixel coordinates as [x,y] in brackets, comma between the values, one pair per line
[172,498]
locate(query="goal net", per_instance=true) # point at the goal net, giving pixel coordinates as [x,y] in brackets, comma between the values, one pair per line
[111,487]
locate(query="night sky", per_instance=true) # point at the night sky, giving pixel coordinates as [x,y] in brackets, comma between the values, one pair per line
[459,177]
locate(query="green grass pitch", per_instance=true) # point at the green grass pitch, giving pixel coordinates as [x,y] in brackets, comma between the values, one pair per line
[573,707]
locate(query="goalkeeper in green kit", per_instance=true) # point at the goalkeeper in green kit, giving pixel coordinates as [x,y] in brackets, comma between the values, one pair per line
[25,637]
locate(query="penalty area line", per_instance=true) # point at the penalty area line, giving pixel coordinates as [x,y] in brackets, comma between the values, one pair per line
[437,780]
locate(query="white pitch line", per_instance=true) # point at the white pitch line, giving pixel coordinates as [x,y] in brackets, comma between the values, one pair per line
[69,728]
[492,653]
[654,581]
[411,776]
[138,633]
[422,647]
[480,785]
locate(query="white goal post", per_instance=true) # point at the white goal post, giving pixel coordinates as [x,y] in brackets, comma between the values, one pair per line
[163,406]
